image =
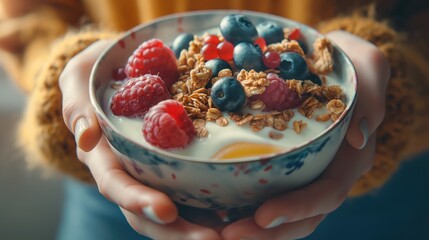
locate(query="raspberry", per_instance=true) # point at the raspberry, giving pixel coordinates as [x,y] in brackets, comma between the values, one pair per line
[168,126]
[295,34]
[153,57]
[139,94]
[261,43]
[278,96]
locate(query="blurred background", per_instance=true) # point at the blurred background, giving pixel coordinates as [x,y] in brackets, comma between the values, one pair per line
[30,204]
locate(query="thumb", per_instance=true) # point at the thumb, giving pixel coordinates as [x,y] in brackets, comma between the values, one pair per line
[78,112]
[373,73]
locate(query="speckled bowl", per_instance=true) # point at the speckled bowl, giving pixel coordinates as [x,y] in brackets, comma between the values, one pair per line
[226,184]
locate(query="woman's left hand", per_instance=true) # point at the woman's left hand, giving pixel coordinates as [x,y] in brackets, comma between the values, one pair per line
[149,212]
[296,214]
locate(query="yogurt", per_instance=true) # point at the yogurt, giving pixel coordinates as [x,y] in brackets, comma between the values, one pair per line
[221,137]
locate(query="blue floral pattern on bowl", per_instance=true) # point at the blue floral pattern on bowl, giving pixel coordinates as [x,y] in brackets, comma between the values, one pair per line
[249,183]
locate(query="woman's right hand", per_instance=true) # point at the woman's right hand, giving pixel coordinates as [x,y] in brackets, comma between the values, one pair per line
[148,211]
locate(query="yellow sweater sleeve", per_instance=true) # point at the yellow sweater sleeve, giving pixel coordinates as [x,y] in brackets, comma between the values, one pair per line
[42,134]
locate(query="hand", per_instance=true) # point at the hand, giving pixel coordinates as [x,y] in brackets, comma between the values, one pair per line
[298,213]
[148,211]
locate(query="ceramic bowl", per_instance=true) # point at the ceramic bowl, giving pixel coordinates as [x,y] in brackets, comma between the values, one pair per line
[205,183]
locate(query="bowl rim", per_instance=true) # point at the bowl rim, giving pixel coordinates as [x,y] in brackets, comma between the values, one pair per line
[129,33]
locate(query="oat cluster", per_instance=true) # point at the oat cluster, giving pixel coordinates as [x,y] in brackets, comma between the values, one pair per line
[254,83]
[286,46]
[322,57]
[316,96]
[194,77]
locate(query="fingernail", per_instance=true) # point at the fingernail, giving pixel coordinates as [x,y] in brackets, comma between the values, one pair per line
[150,213]
[81,126]
[277,222]
[363,125]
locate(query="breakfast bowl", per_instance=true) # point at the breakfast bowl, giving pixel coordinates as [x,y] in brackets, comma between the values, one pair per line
[201,181]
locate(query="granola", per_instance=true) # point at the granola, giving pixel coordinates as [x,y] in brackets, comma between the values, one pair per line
[253,82]
[288,92]
[194,77]
[200,128]
[286,46]
[275,135]
[323,61]
[298,126]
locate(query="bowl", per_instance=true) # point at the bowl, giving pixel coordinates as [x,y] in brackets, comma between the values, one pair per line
[227,184]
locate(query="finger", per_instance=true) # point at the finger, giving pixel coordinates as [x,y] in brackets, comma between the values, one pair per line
[119,187]
[179,229]
[77,109]
[373,72]
[322,196]
[247,229]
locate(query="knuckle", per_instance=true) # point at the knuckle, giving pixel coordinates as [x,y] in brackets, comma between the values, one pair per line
[104,182]
[311,226]
[159,196]
[131,191]
[102,187]
[136,225]
[205,234]
[70,108]
[71,66]
[81,155]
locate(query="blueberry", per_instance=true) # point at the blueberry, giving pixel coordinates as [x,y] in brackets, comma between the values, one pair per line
[228,94]
[314,78]
[270,31]
[292,66]
[248,56]
[181,42]
[216,65]
[238,28]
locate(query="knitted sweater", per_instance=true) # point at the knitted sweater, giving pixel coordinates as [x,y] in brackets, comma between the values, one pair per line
[51,32]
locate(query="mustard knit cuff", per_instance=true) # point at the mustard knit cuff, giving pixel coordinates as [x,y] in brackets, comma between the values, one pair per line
[42,134]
